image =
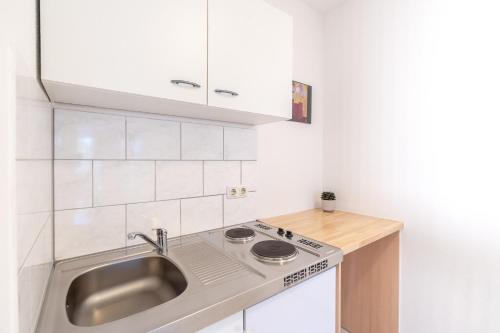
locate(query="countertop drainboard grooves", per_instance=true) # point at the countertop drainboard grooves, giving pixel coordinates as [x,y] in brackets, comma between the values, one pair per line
[208,264]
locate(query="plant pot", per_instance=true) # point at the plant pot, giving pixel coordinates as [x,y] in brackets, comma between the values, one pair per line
[328,205]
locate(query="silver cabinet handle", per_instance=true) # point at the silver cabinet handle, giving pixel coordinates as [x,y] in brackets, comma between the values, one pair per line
[228,92]
[189,83]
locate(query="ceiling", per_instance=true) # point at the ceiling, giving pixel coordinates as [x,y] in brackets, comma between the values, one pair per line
[323,5]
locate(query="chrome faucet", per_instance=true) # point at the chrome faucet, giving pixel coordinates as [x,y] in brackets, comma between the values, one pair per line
[161,242]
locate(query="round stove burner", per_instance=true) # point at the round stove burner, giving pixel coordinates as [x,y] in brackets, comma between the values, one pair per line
[274,251]
[240,235]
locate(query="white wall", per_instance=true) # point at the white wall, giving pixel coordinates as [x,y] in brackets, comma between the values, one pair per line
[28,145]
[8,248]
[412,133]
[290,154]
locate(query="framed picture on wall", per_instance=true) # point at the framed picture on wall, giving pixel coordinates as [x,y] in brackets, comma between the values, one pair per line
[302,102]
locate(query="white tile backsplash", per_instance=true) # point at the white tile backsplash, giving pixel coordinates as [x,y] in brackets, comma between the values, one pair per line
[88,135]
[199,214]
[84,231]
[33,130]
[240,210]
[29,227]
[220,174]
[119,173]
[120,182]
[41,252]
[34,191]
[179,179]
[32,284]
[72,184]
[249,175]
[150,139]
[146,216]
[34,186]
[240,144]
[201,142]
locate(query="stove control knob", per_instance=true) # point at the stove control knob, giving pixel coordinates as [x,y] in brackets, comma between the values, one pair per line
[281,232]
[289,234]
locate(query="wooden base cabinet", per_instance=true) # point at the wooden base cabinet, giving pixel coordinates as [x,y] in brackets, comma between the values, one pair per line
[370,288]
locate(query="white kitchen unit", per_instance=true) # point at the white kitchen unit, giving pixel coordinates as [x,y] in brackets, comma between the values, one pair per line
[231,324]
[307,307]
[209,59]
[127,46]
[249,61]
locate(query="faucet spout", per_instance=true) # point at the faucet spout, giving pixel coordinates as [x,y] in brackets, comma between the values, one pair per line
[160,244]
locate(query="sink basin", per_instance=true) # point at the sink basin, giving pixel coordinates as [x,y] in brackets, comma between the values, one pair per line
[119,290]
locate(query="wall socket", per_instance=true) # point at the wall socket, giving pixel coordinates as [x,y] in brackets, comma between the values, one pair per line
[236,192]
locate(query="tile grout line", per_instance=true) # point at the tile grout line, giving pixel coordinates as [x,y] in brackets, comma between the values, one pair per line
[53,213]
[136,160]
[145,202]
[25,259]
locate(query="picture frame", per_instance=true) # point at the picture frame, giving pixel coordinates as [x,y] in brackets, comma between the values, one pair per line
[301,102]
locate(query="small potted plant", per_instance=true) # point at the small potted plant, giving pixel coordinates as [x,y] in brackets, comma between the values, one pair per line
[328,201]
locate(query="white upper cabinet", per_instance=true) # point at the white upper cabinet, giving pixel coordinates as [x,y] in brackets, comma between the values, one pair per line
[249,57]
[128,46]
[169,57]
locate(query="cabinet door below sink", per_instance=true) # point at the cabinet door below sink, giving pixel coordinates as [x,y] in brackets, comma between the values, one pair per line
[231,324]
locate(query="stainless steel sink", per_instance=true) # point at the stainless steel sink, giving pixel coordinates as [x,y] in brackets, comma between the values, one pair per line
[119,290]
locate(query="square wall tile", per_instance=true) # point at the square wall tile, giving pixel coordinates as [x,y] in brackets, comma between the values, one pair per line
[29,227]
[200,214]
[34,129]
[240,144]
[151,139]
[34,186]
[87,135]
[120,182]
[41,252]
[178,179]
[146,216]
[72,184]
[220,174]
[32,284]
[201,142]
[249,174]
[84,231]
[240,210]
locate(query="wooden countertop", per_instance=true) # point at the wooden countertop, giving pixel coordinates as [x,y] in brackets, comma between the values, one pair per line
[345,230]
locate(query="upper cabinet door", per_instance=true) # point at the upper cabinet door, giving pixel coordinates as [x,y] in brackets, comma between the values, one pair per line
[138,47]
[250,57]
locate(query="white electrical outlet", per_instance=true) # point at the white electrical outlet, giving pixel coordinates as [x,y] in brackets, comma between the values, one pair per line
[243,191]
[232,192]
[236,192]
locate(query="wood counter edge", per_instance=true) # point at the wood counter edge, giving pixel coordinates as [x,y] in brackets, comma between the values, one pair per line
[365,229]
